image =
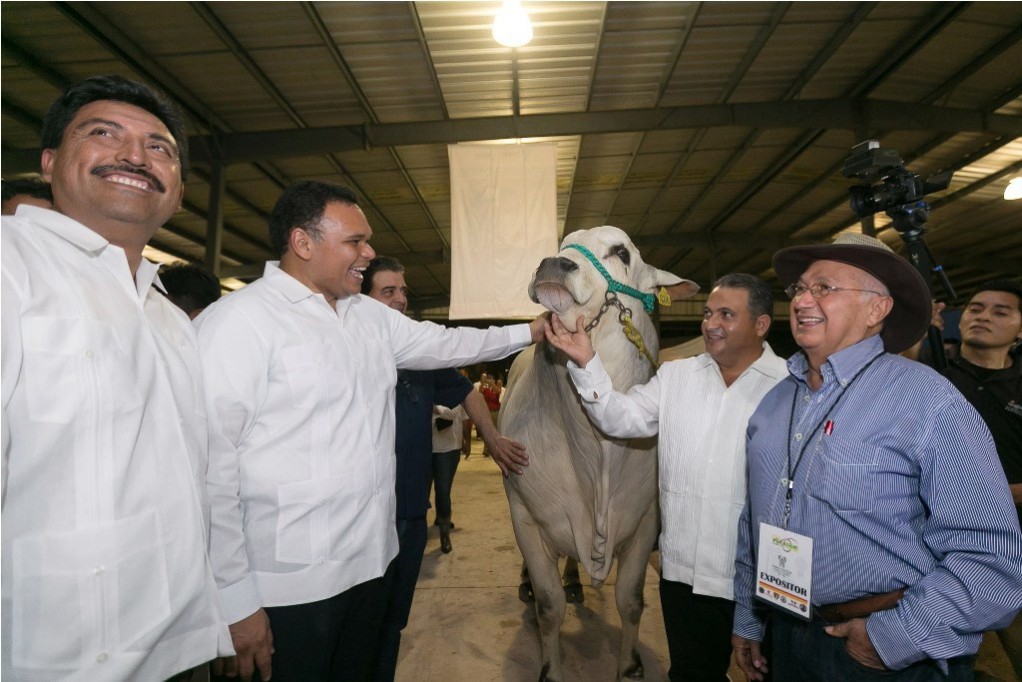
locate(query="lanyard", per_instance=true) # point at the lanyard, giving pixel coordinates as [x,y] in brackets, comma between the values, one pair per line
[792,469]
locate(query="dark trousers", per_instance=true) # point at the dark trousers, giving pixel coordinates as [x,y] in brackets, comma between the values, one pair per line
[445,465]
[333,640]
[698,632]
[411,535]
[803,652]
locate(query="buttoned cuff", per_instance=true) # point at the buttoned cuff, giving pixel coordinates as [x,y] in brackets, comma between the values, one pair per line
[592,381]
[747,624]
[892,642]
[521,335]
[240,600]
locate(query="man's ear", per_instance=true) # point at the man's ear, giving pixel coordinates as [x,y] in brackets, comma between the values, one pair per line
[46,164]
[763,323]
[299,242]
[880,307]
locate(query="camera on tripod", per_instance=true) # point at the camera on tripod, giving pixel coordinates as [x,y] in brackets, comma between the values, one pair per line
[890,186]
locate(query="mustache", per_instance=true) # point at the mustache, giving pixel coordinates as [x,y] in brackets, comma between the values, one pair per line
[132,170]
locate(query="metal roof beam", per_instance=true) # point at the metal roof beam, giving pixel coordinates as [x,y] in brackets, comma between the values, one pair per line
[826,114]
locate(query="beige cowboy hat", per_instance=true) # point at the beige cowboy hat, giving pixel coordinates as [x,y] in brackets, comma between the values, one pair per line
[910,316]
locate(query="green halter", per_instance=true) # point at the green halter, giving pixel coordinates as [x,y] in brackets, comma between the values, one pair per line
[648,300]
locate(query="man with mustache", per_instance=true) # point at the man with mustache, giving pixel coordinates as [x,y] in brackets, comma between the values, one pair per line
[105,515]
[990,377]
[700,407]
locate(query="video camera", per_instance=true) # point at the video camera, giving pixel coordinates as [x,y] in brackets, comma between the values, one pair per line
[890,186]
[897,191]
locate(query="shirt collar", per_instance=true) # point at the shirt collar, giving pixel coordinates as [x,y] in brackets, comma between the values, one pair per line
[293,290]
[64,227]
[296,292]
[89,240]
[763,364]
[841,366]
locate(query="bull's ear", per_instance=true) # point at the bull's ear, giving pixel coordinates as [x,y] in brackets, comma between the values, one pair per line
[677,287]
[682,289]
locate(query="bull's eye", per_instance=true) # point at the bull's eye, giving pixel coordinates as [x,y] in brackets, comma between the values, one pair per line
[621,252]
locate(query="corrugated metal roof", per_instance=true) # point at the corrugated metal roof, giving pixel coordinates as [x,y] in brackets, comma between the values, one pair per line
[711,132]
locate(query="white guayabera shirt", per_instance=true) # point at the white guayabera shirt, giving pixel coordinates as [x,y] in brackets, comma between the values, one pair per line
[301,406]
[105,517]
[701,452]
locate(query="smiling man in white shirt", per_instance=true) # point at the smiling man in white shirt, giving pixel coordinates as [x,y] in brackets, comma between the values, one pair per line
[105,573]
[301,372]
[700,407]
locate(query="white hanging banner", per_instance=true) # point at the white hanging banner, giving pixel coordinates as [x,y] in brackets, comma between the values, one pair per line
[503,223]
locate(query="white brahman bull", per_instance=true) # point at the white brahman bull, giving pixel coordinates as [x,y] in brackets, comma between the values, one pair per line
[583,495]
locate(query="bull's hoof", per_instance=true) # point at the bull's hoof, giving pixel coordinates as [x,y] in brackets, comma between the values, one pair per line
[635,671]
[525,593]
[573,594]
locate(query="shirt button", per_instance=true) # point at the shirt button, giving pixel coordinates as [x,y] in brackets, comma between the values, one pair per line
[99,570]
[798,436]
[102,656]
[844,382]
[807,398]
[88,354]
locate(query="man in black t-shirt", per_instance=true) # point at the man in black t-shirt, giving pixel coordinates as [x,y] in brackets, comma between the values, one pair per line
[990,377]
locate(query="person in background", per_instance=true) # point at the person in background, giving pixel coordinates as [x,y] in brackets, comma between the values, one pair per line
[104,507]
[190,287]
[417,392]
[448,444]
[863,535]
[491,394]
[990,378]
[31,192]
[700,408]
[301,371]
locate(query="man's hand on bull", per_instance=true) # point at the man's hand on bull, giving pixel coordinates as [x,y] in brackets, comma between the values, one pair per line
[509,454]
[576,344]
[539,327]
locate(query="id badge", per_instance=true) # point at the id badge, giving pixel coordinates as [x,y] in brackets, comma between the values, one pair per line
[784,570]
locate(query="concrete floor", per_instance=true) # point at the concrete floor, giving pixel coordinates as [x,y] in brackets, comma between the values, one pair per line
[468,624]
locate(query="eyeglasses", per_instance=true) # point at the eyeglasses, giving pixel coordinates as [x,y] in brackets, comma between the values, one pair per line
[821,290]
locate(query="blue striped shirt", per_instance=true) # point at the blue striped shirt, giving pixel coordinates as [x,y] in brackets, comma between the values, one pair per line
[903,489]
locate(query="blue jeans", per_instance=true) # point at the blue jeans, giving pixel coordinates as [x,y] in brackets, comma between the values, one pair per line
[803,652]
[411,536]
[445,465]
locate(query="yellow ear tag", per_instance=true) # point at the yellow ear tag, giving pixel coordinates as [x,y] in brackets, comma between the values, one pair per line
[663,297]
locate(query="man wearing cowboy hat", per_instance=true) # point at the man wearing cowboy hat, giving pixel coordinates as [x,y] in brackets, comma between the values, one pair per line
[879,532]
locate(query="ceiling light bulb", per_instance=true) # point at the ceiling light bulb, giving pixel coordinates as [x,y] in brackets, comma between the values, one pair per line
[512,27]
[1013,190]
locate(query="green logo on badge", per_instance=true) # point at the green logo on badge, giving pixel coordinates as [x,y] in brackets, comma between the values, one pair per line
[787,544]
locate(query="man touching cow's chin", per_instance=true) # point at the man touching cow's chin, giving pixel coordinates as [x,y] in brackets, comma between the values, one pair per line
[691,402]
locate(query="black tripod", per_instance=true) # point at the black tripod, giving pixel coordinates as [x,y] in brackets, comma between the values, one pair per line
[910,221]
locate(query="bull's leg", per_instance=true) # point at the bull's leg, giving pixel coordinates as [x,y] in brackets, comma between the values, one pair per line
[631,578]
[525,585]
[550,602]
[546,585]
[573,593]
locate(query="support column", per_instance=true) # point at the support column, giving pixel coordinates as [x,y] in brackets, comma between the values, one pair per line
[215,217]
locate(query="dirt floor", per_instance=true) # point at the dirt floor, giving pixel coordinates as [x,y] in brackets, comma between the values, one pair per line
[468,624]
